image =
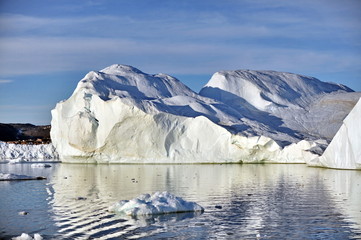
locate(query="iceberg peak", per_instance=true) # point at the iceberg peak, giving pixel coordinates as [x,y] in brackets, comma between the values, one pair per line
[120,69]
[268,88]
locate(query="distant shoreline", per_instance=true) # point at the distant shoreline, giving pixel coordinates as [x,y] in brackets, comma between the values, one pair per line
[19,133]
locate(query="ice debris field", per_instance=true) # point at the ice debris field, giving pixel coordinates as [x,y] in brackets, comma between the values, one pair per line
[123,115]
[155,204]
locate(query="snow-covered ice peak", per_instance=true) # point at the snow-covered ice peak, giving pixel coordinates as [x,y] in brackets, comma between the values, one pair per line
[264,89]
[127,81]
[119,69]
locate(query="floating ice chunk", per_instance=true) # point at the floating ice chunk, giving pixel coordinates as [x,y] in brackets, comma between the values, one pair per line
[17,160]
[158,203]
[10,176]
[40,165]
[26,236]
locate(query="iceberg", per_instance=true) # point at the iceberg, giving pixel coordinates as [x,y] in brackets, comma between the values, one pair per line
[156,204]
[26,152]
[123,115]
[344,151]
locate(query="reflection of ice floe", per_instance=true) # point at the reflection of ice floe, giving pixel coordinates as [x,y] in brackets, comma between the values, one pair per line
[40,165]
[146,220]
[158,203]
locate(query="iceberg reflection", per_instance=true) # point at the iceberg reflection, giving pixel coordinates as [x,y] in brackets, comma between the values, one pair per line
[252,200]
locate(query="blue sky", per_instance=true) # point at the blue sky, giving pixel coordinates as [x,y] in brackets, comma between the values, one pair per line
[47,46]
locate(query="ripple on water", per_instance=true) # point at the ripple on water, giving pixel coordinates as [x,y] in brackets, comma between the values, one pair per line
[268,201]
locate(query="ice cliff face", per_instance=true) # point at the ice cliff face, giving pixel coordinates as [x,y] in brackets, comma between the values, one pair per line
[121,114]
[344,150]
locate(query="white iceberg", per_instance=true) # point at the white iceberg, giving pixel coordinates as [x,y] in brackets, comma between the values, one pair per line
[156,204]
[122,115]
[344,150]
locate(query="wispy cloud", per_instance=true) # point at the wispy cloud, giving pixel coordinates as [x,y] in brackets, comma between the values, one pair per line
[2,81]
[280,35]
[37,55]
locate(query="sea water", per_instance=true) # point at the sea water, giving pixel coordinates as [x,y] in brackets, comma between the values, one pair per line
[254,201]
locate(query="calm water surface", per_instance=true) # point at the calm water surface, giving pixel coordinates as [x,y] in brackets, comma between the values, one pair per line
[257,202]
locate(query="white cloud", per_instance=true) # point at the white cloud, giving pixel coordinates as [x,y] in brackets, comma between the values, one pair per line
[262,36]
[40,55]
[5,81]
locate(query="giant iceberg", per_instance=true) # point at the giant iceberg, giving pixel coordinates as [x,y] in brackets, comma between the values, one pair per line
[123,115]
[344,150]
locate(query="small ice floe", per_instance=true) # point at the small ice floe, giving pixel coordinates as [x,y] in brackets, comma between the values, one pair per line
[17,160]
[14,177]
[158,203]
[40,165]
[26,236]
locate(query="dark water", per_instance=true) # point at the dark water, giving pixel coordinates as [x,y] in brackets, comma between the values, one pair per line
[253,202]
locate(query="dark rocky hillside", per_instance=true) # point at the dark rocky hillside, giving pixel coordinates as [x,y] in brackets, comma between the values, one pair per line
[24,133]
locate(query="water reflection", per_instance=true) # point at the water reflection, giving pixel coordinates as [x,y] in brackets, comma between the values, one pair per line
[271,201]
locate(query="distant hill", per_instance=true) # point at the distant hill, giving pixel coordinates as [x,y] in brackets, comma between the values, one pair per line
[24,133]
